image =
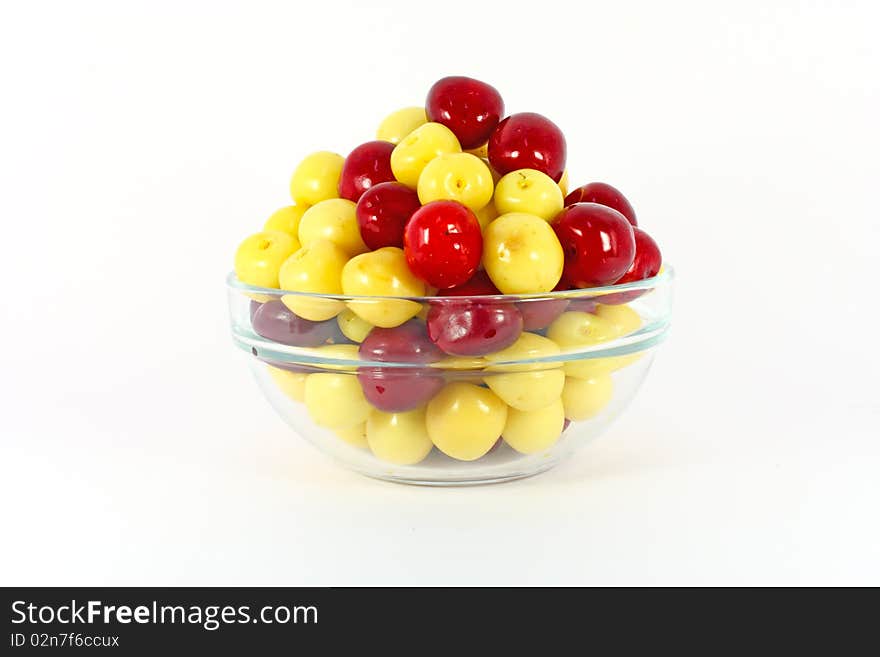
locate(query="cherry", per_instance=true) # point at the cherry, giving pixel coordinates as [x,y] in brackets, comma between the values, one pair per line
[382,213]
[584,305]
[477,285]
[469,108]
[603,194]
[407,343]
[647,261]
[598,244]
[581,304]
[536,314]
[540,313]
[645,265]
[367,165]
[395,390]
[443,243]
[275,321]
[466,327]
[528,141]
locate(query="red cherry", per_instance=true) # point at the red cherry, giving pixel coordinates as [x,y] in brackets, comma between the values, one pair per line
[538,314]
[584,305]
[647,261]
[382,213]
[464,327]
[395,390]
[275,321]
[603,194]
[443,243]
[528,141]
[477,285]
[367,165]
[562,285]
[598,244]
[645,265]
[468,107]
[407,343]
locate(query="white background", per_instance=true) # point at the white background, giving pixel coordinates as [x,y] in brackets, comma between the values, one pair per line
[140,141]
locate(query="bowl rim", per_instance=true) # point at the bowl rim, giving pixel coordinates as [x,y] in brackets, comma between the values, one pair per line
[666,276]
[646,337]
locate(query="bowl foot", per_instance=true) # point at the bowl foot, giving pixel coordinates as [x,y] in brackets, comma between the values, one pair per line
[464,481]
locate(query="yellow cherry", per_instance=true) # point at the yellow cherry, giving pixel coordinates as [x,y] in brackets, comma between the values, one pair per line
[588,368]
[382,273]
[480,151]
[527,386]
[356,435]
[461,363]
[458,177]
[487,215]
[465,420]
[286,220]
[399,124]
[529,432]
[259,257]
[336,220]
[332,352]
[529,191]
[521,254]
[292,384]
[528,391]
[583,399]
[624,319]
[399,438]
[335,401]
[418,148]
[352,326]
[563,183]
[573,330]
[316,178]
[470,366]
[316,269]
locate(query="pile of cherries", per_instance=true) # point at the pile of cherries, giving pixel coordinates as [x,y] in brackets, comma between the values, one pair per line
[455,201]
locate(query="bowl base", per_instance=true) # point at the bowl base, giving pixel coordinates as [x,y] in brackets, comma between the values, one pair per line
[449,483]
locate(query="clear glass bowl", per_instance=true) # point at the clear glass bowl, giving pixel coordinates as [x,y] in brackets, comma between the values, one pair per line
[453,419]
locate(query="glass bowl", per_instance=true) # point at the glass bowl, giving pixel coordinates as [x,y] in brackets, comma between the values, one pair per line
[504,386]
